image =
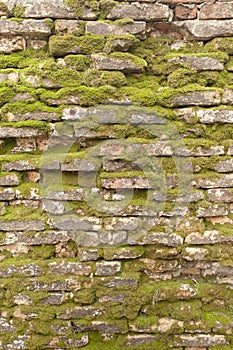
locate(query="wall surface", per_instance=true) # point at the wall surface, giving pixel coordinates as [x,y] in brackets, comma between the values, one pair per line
[116,182]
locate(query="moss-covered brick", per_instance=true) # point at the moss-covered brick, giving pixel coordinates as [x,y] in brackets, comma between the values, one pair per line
[70,44]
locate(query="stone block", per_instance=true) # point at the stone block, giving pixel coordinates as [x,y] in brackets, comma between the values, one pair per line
[18,165]
[224,166]
[9,180]
[199,63]
[81,312]
[28,27]
[9,45]
[104,28]
[201,30]
[183,12]
[139,11]
[221,182]
[216,11]
[15,225]
[220,195]
[215,116]
[107,268]
[123,62]
[197,98]
[67,267]
[200,340]
[44,9]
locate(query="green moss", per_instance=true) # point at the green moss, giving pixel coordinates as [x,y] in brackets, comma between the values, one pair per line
[78,62]
[23,107]
[44,127]
[115,42]
[180,310]
[181,77]
[63,77]
[142,97]
[69,44]
[19,11]
[94,77]
[22,213]
[42,252]
[220,44]
[105,7]
[88,96]
[6,93]
[165,95]
[77,6]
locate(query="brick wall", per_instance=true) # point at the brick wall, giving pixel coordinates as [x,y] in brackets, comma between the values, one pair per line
[116,182]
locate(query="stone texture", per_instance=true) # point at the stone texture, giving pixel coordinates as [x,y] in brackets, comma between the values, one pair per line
[199,29]
[224,166]
[29,27]
[152,12]
[223,181]
[216,11]
[185,12]
[103,28]
[73,268]
[134,182]
[14,225]
[45,9]
[220,195]
[200,340]
[215,116]
[9,180]
[6,132]
[197,98]
[227,96]
[19,165]
[9,45]
[125,65]
[199,63]
[107,268]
